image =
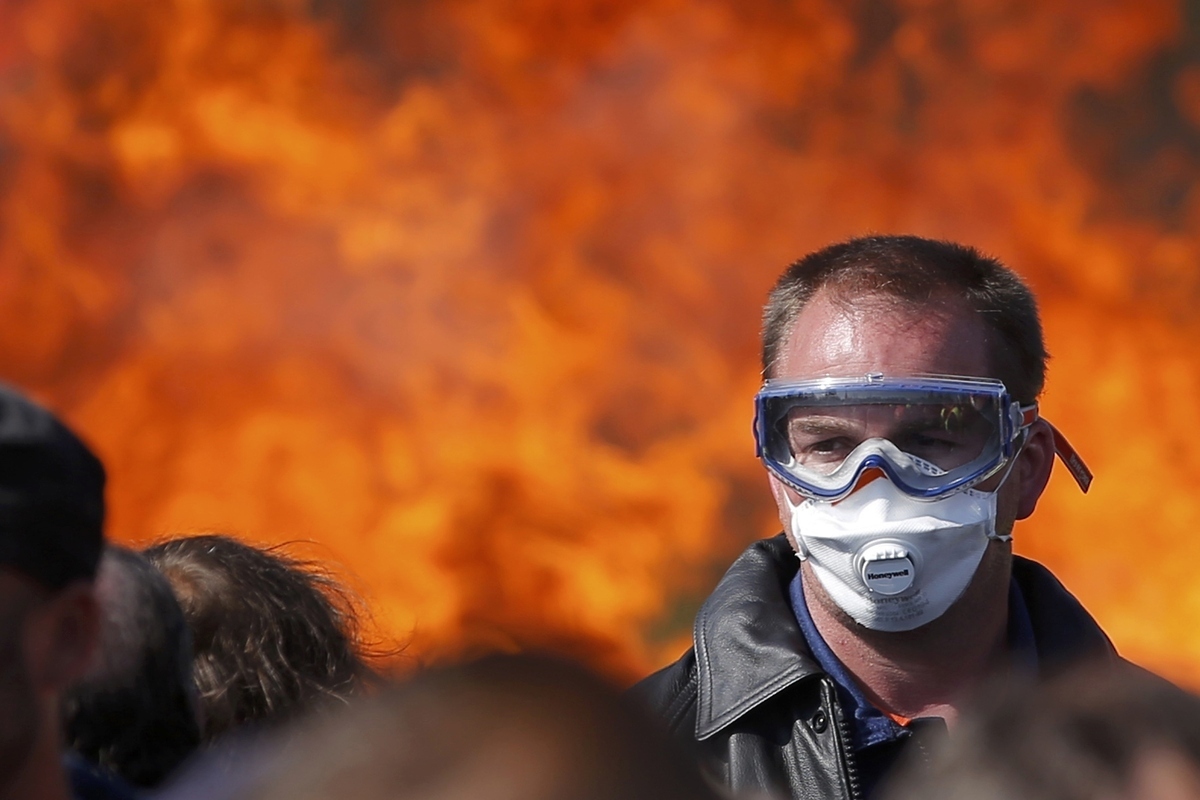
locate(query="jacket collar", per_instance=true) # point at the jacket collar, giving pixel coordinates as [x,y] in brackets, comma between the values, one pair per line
[748,644]
[1065,633]
[749,647]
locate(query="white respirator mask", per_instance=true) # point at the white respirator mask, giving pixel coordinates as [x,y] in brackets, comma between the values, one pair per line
[890,561]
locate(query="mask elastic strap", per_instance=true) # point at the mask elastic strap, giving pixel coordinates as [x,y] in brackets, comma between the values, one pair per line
[798,543]
[1004,476]
[1062,448]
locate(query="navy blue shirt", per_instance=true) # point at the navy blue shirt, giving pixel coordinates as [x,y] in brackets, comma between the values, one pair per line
[92,782]
[876,738]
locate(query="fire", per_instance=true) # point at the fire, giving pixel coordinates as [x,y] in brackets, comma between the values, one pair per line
[466,294]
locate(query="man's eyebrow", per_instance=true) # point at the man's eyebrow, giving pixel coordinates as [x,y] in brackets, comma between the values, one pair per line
[928,420]
[824,424]
[813,423]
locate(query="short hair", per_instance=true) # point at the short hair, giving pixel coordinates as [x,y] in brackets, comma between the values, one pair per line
[504,726]
[1096,731]
[273,636]
[134,713]
[917,271]
[51,496]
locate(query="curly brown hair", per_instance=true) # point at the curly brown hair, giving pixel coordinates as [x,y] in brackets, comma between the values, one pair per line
[273,636]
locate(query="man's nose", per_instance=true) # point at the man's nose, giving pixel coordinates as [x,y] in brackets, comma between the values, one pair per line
[868,475]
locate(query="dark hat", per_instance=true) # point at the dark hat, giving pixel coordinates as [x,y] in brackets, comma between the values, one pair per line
[51,495]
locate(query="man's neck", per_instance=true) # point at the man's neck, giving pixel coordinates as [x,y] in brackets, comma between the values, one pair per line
[926,671]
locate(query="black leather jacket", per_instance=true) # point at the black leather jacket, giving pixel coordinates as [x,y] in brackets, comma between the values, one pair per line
[763,714]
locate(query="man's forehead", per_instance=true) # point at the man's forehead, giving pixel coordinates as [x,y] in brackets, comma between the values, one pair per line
[848,336]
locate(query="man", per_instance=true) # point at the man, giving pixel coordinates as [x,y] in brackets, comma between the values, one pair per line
[51,518]
[900,430]
[134,713]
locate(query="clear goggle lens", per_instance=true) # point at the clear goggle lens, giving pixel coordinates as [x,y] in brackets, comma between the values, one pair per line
[930,435]
[949,434]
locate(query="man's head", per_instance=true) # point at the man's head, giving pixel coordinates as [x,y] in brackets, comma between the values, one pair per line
[51,522]
[898,308]
[134,712]
[905,306]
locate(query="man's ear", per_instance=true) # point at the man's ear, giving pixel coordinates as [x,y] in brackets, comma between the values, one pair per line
[61,636]
[1032,470]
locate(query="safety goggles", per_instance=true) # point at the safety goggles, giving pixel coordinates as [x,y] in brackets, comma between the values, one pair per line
[930,435]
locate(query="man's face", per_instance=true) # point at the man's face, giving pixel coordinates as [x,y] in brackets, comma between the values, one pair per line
[18,696]
[836,337]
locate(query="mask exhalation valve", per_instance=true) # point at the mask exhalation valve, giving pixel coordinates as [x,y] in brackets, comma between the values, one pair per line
[887,568]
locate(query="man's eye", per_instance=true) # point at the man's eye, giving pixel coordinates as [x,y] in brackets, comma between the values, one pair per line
[926,442]
[827,447]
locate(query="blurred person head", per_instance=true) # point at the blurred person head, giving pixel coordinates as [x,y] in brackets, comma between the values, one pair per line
[1114,732]
[272,636]
[134,713]
[51,535]
[501,728]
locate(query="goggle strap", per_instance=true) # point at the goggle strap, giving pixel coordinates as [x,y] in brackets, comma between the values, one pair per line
[1071,460]
[1062,448]
[1029,415]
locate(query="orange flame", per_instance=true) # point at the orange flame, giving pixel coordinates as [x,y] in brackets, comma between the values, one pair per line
[468,292]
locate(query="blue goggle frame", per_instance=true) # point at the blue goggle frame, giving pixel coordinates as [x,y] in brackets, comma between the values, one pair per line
[1011,419]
